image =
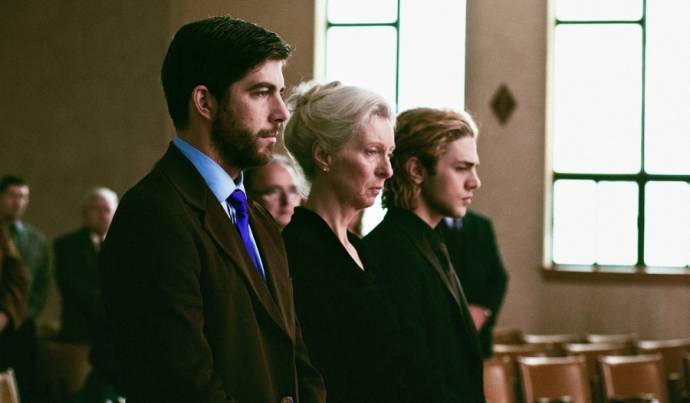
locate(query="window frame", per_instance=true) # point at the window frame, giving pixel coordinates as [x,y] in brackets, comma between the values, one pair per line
[640,270]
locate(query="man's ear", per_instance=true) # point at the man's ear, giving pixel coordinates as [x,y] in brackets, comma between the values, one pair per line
[415,170]
[322,158]
[203,102]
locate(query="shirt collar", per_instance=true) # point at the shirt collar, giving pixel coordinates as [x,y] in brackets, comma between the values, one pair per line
[453,223]
[419,229]
[220,183]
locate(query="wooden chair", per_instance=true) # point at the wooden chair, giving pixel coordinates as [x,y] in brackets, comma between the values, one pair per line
[507,335]
[625,338]
[513,351]
[553,343]
[591,352]
[674,352]
[631,376]
[8,387]
[555,379]
[499,380]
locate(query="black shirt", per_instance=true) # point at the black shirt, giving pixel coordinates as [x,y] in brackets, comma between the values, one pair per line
[347,321]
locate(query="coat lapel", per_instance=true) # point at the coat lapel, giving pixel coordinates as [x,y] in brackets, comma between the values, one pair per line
[272,261]
[431,257]
[424,247]
[219,227]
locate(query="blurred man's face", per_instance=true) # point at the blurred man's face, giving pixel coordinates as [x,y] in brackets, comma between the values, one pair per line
[98,213]
[13,202]
[275,188]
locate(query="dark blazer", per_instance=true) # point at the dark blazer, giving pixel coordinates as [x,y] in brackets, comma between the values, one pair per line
[475,256]
[78,279]
[194,321]
[443,343]
[347,322]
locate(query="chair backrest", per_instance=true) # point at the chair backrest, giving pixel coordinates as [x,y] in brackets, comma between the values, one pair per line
[673,352]
[553,343]
[633,375]
[520,350]
[8,387]
[626,338]
[507,335]
[592,351]
[554,378]
[499,380]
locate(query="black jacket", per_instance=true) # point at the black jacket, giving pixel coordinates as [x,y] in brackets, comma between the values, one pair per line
[476,259]
[442,341]
[78,279]
[347,321]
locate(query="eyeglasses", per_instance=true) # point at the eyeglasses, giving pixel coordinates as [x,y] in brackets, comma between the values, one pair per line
[276,193]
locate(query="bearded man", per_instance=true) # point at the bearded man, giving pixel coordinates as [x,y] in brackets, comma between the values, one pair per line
[195,279]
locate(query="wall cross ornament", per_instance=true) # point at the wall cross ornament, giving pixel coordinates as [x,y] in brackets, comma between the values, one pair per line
[503,104]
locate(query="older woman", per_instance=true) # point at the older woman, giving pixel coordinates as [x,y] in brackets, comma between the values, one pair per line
[276,186]
[342,138]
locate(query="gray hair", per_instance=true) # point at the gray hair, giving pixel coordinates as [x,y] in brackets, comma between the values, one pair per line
[107,194]
[328,115]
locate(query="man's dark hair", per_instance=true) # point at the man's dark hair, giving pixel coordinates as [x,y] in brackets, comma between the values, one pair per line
[11,180]
[214,52]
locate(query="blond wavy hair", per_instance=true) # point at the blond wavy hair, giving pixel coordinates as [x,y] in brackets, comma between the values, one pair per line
[423,133]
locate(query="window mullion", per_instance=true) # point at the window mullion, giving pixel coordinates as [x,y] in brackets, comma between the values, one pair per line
[643,179]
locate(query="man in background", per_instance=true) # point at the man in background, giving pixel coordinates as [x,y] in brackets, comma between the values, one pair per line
[276,187]
[76,267]
[78,278]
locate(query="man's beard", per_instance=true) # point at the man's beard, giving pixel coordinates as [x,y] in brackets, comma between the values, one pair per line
[238,146]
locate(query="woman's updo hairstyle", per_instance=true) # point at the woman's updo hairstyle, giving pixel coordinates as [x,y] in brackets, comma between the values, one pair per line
[328,115]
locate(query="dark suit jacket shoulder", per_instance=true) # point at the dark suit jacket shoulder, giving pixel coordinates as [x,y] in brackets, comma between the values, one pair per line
[78,280]
[193,319]
[442,342]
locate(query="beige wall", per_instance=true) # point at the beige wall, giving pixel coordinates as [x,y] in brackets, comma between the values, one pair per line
[82,106]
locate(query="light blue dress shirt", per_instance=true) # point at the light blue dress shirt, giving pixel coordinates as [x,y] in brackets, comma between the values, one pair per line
[220,183]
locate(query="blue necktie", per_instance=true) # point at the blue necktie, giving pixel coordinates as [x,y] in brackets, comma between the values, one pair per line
[238,201]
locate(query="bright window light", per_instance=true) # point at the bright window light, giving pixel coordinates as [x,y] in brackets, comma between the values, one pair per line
[597,105]
[667,232]
[587,10]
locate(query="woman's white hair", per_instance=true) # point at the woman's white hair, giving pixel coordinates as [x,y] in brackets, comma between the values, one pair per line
[328,115]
